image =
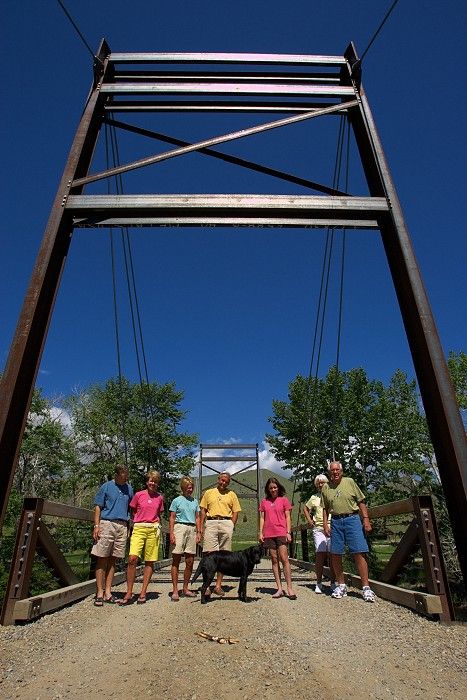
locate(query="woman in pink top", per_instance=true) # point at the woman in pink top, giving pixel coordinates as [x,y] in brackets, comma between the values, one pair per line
[146,507]
[275,533]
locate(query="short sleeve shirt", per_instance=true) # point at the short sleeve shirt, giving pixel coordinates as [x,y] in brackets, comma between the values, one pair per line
[147,508]
[113,500]
[342,498]
[185,509]
[275,523]
[222,504]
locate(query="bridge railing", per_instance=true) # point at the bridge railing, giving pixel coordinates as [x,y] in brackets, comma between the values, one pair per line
[33,534]
[421,533]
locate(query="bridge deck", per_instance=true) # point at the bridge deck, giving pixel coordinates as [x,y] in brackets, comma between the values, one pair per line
[314,647]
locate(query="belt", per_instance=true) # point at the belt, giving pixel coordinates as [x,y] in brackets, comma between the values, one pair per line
[344,515]
[218,517]
[180,522]
[117,520]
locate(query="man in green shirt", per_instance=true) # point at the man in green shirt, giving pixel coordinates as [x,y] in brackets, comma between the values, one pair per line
[350,524]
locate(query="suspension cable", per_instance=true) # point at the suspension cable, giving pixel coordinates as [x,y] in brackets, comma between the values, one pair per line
[116,318]
[62,5]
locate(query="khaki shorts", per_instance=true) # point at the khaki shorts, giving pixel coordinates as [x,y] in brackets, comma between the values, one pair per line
[218,536]
[185,539]
[145,541]
[112,539]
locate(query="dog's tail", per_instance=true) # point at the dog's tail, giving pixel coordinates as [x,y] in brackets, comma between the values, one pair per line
[197,572]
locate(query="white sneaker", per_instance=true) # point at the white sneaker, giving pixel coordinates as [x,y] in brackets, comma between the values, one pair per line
[340,591]
[368,595]
[318,588]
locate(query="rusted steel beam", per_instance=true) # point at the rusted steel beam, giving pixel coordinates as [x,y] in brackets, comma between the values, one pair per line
[394,508]
[179,105]
[442,412]
[266,88]
[23,361]
[435,570]
[227,58]
[408,543]
[232,136]
[54,556]
[63,510]
[23,557]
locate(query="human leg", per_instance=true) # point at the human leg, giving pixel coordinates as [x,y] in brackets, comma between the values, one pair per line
[276,572]
[109,577]
[189,561]
[130,577]
[147,573]
[224,538]
[362,567]
[176,558]
[101,570]
[284,558]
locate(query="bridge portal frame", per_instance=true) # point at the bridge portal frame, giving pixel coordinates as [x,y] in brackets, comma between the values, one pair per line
[303,86]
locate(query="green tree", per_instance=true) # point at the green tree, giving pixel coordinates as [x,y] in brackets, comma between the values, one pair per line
[457,364]
[120,422]
[47,451]
[378,432]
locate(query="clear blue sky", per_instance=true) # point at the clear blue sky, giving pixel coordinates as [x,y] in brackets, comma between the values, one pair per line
[229,314]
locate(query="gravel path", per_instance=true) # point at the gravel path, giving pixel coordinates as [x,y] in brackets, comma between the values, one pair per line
[313,647]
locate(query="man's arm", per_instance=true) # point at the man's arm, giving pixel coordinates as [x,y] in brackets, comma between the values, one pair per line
[172,516]
[326,528]
[234,518]
[364,516]
[97,520]
[202,518]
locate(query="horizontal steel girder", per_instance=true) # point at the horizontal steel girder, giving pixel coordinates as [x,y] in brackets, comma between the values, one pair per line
[205,88]
[225,210]
[246,58]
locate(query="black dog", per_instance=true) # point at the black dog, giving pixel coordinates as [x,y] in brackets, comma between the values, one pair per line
[231,563]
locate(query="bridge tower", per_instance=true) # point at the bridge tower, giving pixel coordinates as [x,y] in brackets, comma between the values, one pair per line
[304,88]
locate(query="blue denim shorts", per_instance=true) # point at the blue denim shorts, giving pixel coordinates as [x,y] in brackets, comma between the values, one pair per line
[348,531]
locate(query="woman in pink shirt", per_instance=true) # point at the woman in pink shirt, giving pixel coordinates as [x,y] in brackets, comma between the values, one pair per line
[275,533]
[146,507]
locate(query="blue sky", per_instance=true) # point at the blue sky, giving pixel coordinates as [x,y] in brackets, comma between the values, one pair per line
[229,314]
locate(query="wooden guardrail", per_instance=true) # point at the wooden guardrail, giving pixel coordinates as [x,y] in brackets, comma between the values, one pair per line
[34,534]
[421,533]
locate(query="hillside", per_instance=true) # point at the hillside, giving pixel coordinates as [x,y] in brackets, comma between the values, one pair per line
[244,485]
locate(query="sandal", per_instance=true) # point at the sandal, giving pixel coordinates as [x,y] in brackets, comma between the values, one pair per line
[292,597]
[110,600]
[141,600]
[174,598]
[99,602]
[278,594]
[218,592]
[124,601]
[189,594]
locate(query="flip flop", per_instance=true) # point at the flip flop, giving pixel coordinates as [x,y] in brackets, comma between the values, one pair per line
[189,594]
[99,602]
[278,594]
[124,601]
[219,592]
[174,599]
[292,597]
[141,601]
[110,600]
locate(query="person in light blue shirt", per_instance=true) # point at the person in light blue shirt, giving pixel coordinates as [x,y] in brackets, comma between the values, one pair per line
[185,534]
[111,516]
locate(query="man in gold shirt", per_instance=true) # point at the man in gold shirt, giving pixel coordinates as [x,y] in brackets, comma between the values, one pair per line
[219,513]
[350,524]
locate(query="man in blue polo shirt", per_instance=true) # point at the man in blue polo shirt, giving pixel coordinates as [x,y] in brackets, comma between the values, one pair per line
[111,516]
